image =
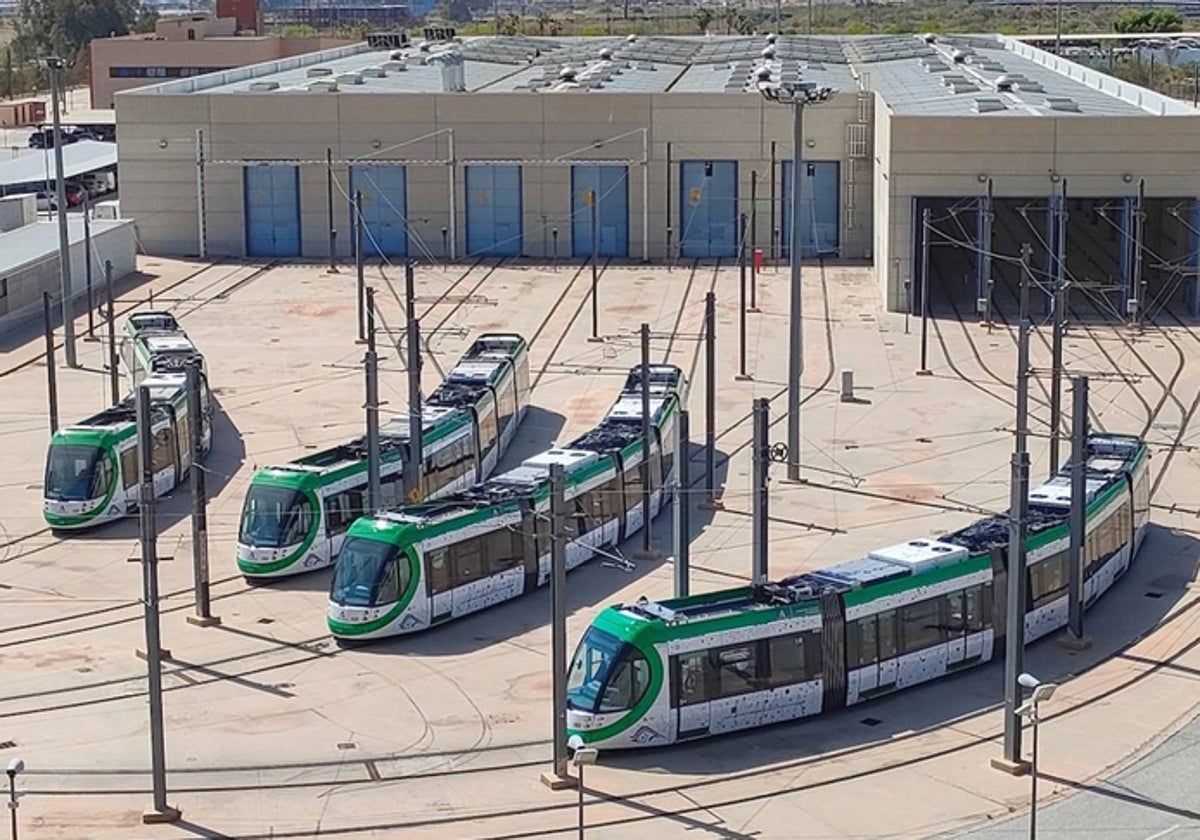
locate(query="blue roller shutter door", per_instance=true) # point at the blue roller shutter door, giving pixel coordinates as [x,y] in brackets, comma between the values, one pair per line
[272,195]
[385,208]
[494,210]
[708,208]
[609,185]
[818,210]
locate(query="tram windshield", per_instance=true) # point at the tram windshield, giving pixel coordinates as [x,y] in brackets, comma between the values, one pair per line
[606,675]
[273,517]
[75,473]
[368,575]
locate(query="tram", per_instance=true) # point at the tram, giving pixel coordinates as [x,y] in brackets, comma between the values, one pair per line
[422,565]
[656,673]
[92,466]
[295,516]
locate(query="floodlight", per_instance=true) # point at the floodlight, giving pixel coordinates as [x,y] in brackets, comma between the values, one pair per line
[585,755]
[16,766]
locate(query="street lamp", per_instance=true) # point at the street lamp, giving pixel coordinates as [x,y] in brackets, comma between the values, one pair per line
[797,96]
[14,767]
[1029,709]
[56,67]
[581,756]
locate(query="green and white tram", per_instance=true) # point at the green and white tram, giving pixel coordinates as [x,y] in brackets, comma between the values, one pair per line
[155,343]
[422,565]
[650,673]
[92,466]
[295,516]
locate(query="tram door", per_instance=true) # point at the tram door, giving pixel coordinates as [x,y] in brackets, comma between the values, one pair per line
[690,674]
[440,586]
[164,455]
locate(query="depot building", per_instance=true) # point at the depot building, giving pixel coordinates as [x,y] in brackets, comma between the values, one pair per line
[951,164]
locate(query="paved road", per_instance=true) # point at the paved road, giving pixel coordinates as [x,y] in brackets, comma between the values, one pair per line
[1158,797]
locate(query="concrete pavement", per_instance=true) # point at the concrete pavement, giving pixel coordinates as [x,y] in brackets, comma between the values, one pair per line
[273,731]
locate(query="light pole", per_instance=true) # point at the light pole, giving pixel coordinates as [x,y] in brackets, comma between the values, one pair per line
[1029,709]
[797,96]
[581,756]
[14,767]
[56,66]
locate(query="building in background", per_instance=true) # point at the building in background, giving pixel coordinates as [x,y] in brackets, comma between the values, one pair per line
[507,146]
[191,45]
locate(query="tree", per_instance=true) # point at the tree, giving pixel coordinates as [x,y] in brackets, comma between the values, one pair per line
[146,20]
[1152,20]
[703,17]
[65,27]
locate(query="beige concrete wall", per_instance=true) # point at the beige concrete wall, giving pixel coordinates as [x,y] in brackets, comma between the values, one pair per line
[1025,157]
[535,129]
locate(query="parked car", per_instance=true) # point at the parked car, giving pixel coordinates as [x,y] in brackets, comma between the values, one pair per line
[75,194]
[46,202]
[97,183]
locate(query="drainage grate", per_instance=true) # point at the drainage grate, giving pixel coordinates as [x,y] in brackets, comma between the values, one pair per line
[1153,594]
[266,621]
[870,721]
[7,745]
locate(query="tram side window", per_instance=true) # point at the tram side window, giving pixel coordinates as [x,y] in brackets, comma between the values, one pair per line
[862,642]
[129,467]
[633,487]
[487,429]
[737,669]
[466,561]
[979,608]
[1048,580]
[692,678]
[506,405]
[391,489]
[182,432]
[522,365]
[503,549]
[666,441]
[341,509]
[921,625]
[627,683]
[795,658]
[163,453]
[541,532]
[438,562]
[655,470]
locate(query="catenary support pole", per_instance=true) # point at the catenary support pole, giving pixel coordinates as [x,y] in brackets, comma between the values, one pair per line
[644,467]
[114,373]
[774,242]
[360,283]
[196,428]
[762,429]
[710,397]
[371,366]
[683,504]
[558,600]
[645,195]
[201,198]
[1023,351]
[64,245]
[414,466]
[670,253]
[1079,433]
[329,211]
[87,267]
[1056,340]
[595,268]
[1139,235]
[742,303]
[796,313]
[753,240]
[51,383]
[161,811]
[925,225]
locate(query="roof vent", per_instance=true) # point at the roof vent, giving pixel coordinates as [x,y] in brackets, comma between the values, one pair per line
[772,37]
[313,72]
[350,78]
[1061,103]
[768,51]
[630,38]
[397,55]
[424,46]
[264,86]
[763,74]
[323,87]
[988,105]
[394,66]
[606,54]
[958,56]
[929,38]
[374,72]
[1002,83]
[567,73]
[1028,85]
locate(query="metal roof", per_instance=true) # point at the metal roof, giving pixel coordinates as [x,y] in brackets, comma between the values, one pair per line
[37,167]
[942,75]
[34,243]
